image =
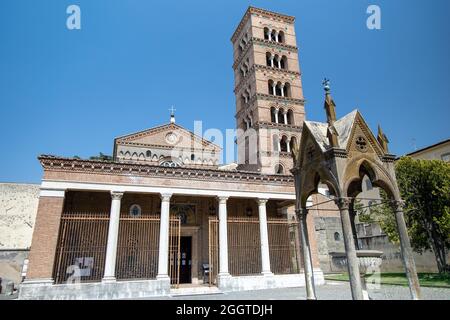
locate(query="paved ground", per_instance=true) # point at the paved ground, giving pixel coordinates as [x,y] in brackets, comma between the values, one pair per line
[333,290]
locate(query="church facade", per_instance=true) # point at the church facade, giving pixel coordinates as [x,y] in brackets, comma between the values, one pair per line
[163,214]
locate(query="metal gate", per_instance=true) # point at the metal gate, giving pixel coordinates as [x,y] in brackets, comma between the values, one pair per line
[81,249]
[137,246]
[284,246]
[244,246]
[174,250]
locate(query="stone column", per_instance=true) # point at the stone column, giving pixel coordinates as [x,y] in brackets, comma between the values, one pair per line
[279,63]
[163,259]
[352,260]
[274,88]
[275,110]
[288,146]
[282,90]
[407,256]
[223,238]
[285,117]
[264,235]
[276,36]
[271,60]
[306,252]
[113,235]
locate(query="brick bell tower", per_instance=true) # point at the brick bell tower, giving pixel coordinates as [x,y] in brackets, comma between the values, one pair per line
[268,88]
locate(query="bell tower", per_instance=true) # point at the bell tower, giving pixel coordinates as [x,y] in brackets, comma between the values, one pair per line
[268,88]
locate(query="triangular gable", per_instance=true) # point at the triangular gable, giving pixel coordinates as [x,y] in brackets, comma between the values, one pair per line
[360,130]
[168,135]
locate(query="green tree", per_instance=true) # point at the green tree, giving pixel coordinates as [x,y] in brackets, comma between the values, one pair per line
[425,187]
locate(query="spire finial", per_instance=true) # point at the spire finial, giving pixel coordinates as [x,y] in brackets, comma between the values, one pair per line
[382,139]
[326,85]
[172,114]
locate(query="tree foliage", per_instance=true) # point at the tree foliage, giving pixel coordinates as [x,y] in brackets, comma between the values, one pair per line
[425,187]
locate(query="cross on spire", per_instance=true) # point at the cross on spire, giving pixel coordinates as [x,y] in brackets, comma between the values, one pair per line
[172,114]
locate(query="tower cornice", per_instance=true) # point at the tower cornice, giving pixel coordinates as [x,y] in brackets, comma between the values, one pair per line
[262,12]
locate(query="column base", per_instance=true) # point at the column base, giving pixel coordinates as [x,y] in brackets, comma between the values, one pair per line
[267,273]
[108,279]
[163,277]
[40,281]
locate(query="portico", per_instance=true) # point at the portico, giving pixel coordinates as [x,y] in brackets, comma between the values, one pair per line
[116,235]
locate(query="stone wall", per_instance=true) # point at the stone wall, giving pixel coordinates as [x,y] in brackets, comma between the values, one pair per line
[18,207]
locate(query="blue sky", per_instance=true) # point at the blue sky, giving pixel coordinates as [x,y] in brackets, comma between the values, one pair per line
[70,93]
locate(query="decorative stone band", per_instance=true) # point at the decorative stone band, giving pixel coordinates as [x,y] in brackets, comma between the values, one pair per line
[270,97]
[284,127]
[52,163]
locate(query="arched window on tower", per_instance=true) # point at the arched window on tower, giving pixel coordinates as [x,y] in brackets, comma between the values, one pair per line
[266,34]
[283,144]
[287,89]
[283,62]
[270,87]
[278,89]
[272,115]
[293,143]
[275,142]
[281,116]
[290,116]
[281,37]
[272,35]
[268,59]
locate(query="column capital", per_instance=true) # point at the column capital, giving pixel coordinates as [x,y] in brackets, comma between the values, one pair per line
[166,196]
[343,203]
[116,195]
[399,205]
[222,199]
[262,201]
[301,213]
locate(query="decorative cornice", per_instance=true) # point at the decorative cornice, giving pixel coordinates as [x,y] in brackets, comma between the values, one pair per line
[53,163]
[160,146]
[335,153]
[270,97]
[263,42]
[389,158]
[263,12]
